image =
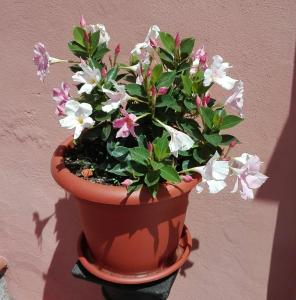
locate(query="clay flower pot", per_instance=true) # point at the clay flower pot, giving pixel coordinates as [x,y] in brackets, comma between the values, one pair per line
[126,234]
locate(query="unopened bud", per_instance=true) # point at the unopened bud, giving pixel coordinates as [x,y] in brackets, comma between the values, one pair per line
[104,72]
[82,21]
[198,101]
[177,40]
[163,90]
[117,50]
[126,182]
[153,91]
[149,72]
[150,147]
[233,143]
[186,178]
[206,99]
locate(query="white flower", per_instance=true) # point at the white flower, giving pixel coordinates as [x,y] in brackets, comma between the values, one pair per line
[213,174]
[236,100]
[246,168]
[88,77]
[78,117]
[143,50]
[104,35]
[179,140]
[216,73]
[116,98]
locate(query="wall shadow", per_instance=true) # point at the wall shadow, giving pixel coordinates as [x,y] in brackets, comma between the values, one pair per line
[59,282]
[280,187]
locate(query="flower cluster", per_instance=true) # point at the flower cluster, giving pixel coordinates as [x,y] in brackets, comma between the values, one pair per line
[153,120]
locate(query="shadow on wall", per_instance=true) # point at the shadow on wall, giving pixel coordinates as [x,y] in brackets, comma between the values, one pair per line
[59,282]
[281,187]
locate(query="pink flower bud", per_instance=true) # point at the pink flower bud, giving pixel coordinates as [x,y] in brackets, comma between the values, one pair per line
[233,143]
[153,43]
[82,21]
[86,37]
[163,90]
[198,101]
[153,91]
[117,50]
[104,72]
[206,99]
[186,178]
[150,147]
[177,40]
[149,72]
[126,182]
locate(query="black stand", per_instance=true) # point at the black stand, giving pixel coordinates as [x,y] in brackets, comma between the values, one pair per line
[157,290]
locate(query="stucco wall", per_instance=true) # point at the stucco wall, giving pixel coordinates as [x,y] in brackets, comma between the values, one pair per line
[244,250]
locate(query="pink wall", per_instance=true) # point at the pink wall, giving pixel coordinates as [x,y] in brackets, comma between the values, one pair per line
[246,250]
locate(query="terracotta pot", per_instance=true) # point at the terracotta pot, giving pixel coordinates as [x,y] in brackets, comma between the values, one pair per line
[126,234]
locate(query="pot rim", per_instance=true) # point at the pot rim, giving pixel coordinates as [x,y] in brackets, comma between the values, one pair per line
[110,194]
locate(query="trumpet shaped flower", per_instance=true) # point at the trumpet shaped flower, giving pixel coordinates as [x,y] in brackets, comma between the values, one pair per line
[126,124]
[247,169]
[77,116]
[213,174]
[104,35]
[179,140]
[61,97]
[216,73]
[116,98]
[236,100]
[88,77]
[199,59]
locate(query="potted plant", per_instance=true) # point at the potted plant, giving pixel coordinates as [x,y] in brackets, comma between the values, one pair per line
[145,134]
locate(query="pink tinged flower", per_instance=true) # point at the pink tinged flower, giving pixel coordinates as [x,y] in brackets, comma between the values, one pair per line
[149,72]
[116,98]
[126,124]
[199,60]
[216,74]
[77,116]
[104,35]
[117,50]
[247,169]
[88,77]
[179,140]
[82,22]
[213,174]
[198,101]
[153,43]
[41,60]
[177,40]
[206,99]
[126,182]
[186,178]
[61,96]
[236,101]
[162,90]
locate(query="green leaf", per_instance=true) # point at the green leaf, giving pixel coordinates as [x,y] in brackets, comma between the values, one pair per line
[152,177]
[166,58]
[191,127]
[161,148]
[105,131]
[94,40]
[227,139]
[119,151]
[78,34]
[214,138]
[170,174]
[186,46]
[100,51]
[168,41]
[134,187]
[118,169]
[219,115]
[207,115]
[157,70]
[203,154]
[230,121]
[166,79]
[187,84]
[189,104]
[112,74]
[168,101]
[135,90]
[140,155]
[77,49]
[156,165]
[153,190]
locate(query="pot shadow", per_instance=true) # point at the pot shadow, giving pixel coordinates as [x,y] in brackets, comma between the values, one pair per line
[280,187]
[189,263]
[59,282]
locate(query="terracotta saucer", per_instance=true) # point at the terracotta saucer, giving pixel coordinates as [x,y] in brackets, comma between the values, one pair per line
[181,255]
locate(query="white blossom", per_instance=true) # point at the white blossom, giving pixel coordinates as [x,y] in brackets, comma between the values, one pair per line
[236,100]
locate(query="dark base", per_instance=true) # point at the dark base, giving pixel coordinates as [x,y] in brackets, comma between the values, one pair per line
[157,290]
